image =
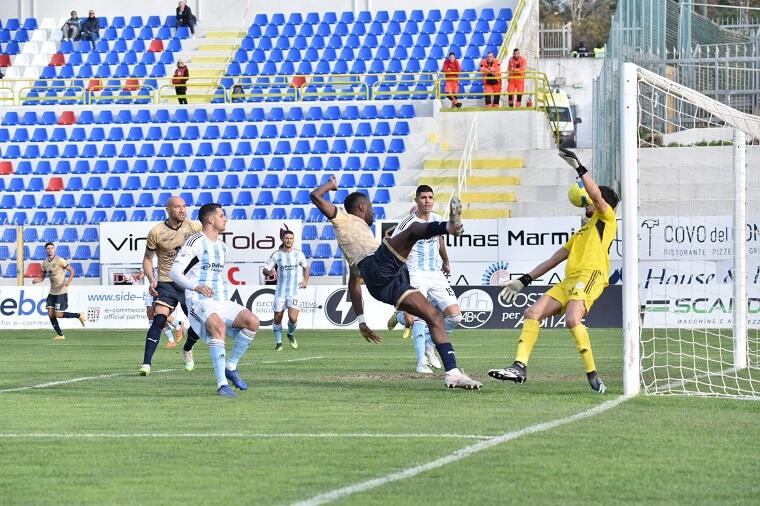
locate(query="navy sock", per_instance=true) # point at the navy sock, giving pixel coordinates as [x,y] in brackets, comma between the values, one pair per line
[192,338]
[436,228]
[449,359]
[71,315]
[56,327]
[154,335]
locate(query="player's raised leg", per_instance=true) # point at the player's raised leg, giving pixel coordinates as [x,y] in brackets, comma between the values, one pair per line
[245,326]
[403,243]
[576,310]
[416,304]
[532,317]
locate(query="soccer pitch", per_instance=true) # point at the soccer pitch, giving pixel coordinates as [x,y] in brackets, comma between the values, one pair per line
[321,422]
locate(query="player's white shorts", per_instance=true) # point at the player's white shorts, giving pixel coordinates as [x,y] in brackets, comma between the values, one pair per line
[201,310]
[435,287]
[280,303]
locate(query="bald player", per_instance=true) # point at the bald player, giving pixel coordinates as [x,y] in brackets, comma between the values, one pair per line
[164,241]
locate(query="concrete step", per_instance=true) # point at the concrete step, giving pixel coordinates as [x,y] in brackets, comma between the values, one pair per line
[224,34]
[479,197]
[210,59]
[484,214]
[451,181]
[208,72]
[478,163]
[479,173]
[206,46]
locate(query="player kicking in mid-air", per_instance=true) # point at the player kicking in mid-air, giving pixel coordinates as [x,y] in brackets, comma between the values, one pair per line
[173,333]
[55,268]
[199,269]
[289,267]
[586,276]
[427,264]
[164,241]
[383,268]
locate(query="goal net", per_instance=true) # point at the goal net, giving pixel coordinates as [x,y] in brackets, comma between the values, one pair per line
[691,203]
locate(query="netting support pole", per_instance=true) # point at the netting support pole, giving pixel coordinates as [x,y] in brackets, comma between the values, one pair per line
[629,146]
[740,250]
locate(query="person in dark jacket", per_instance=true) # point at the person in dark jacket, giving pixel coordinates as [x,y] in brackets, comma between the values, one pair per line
[179,80]
[91,29]
[72,27]
[185,16]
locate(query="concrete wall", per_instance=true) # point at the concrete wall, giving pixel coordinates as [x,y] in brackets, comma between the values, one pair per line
[576,77]
[221,12]
[496,130]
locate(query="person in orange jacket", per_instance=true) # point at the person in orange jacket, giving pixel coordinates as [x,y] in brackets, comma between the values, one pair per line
[517,66]
[451,70]
[491,71]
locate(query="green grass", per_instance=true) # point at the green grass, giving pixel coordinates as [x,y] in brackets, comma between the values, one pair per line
[649,450]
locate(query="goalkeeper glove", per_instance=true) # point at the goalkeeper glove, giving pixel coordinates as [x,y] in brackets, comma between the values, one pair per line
[514,286]
[572,161]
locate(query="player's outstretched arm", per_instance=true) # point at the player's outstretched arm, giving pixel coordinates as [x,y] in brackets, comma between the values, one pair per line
[588,182]
[515,286]
[355,291]
[318,198]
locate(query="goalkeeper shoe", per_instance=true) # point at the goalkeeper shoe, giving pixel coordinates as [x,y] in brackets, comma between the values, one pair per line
[293,342]
[235,378]
[458,379]
[432,359]
[144,370]
[596,384]
[393,321]
[226,391]
[423,368]
[516,372]
[187,356]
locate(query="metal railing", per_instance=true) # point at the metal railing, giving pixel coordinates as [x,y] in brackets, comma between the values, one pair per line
[555,41]
[465,164]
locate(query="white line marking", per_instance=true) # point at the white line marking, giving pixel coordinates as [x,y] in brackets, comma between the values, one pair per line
[134,373]
[460,454]
[214,435]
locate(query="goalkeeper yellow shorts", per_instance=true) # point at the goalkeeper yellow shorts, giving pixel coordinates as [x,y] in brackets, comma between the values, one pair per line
[587,287]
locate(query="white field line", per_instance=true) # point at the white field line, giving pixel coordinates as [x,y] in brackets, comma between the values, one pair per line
[460,454]
[133,373]
[241,435]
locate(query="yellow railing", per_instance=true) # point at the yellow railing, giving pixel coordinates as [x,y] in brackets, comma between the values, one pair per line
[504,50]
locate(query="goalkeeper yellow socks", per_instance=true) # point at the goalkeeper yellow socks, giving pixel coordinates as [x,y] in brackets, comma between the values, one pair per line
[583,342]
[528,338]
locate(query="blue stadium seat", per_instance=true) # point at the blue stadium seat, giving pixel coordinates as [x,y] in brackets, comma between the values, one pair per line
[317,268]
[265,198]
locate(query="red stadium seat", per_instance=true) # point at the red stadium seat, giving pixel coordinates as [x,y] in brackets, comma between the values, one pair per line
[156,46]
[67,118]
[33,270]
[57,60]
[131,85]
[55,184]
[6,168]
[5,60]
[95,85]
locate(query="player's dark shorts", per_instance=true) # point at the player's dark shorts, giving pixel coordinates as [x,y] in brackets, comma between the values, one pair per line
[58,302]
[170,294]
[386,276]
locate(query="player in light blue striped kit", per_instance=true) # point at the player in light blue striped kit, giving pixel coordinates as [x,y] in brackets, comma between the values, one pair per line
[199,269]
[428,265]
[289,267]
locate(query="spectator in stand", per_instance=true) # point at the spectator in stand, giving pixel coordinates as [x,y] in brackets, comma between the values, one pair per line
[581,51]
[517,66]
[91,29]
[451,70]
[185,16]
[179,80]
[491,71]
[72,27]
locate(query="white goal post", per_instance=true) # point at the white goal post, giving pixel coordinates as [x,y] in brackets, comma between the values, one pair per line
[690,189]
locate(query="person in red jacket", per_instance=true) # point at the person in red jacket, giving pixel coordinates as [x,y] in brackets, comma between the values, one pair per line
[451,70]
[491,71]
[179,80]
[517,66]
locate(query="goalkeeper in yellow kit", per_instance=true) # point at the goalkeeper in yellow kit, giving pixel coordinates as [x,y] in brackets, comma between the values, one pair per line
[586,276]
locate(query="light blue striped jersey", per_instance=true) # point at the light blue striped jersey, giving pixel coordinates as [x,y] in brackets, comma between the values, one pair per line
[202,262]
[290,265]
[425,255]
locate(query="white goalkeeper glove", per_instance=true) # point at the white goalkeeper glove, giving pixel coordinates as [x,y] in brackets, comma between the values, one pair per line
[514,286]
[572,161]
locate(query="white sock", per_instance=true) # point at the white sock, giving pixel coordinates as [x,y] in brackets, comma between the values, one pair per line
[454,371]
[168,333]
